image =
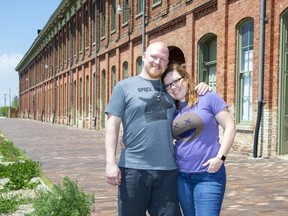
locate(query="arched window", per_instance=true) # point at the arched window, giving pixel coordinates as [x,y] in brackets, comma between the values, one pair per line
[74,102]
[103,97]
[138,65]
[80,96]
[207,60]
[94,94]
[113,77]
[87,96]
[245,71]
[125,70]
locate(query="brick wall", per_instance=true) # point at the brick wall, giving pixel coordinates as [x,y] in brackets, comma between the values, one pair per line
[181,24]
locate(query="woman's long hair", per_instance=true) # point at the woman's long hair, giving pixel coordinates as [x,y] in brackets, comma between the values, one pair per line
[191,96]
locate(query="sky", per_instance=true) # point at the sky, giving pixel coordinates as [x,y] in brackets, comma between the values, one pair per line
[19,22]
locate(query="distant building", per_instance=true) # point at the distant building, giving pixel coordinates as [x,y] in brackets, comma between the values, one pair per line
[68,74]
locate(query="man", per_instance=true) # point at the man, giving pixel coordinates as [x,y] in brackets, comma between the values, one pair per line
[146,173]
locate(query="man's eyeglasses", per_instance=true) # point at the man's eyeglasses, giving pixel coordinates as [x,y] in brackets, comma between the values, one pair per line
[155,58]
[173,83]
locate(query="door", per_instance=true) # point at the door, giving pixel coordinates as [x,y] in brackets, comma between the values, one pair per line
[74,103]
[283,102]
[103,99]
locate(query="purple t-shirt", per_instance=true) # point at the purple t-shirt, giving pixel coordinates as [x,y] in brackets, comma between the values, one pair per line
[197,133]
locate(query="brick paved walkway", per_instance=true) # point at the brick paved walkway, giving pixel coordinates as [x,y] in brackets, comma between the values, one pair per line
[254,186]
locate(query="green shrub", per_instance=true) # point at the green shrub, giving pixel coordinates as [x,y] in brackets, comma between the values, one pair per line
[20,174]
[8,151]
[8,204]
[11,203]
[63,200]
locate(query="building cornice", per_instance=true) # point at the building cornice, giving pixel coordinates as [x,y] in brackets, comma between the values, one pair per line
[59,18]
[205,9]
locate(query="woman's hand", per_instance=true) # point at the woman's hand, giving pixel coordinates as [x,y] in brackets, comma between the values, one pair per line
[213,164]
[122,144]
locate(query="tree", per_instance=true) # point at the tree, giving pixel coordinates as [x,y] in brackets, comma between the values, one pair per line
[4,111]
[15,102]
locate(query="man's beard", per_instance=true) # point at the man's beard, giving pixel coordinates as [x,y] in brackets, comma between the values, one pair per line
[154,75]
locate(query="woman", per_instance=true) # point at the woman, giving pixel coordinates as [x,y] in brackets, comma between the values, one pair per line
[199,155]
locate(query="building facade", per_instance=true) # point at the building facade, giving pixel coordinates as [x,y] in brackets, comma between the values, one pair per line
[239,47]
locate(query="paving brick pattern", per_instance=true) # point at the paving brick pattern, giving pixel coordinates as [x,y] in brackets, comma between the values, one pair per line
[254,186]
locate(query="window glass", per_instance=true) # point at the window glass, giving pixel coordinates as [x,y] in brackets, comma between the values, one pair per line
[125,70]
[139,65]
[87,96]
[246,60]
[140,7]
[103,20]
[208,60]
[113,78]
[113,15]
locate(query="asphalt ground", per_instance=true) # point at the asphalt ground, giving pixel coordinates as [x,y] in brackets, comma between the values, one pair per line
[254,186]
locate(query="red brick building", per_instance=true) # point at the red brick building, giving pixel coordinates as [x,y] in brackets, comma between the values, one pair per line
[239,47]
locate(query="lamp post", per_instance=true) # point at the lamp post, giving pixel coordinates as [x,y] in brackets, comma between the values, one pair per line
[95,59]
[5,113]
[143,25]
[9,97]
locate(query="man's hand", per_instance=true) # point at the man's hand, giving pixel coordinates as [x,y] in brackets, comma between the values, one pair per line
[113,174]
[202,88]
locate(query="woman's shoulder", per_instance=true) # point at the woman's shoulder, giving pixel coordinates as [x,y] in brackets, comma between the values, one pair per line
[211,98]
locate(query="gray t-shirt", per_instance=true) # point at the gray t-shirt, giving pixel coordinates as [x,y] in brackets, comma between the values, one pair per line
[146,123]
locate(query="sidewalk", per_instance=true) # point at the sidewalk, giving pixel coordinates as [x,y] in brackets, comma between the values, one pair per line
[254,186]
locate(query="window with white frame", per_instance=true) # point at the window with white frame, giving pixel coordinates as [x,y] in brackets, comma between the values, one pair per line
[207,60]
[103,16]
[139,65]
[245,71]
[113,77]
[94,94]
[125,11]
[125,70]
[113,15]
[80,97]
[139,6]
[87,96]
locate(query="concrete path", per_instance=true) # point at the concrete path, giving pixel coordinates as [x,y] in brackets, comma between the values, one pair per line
[254,186]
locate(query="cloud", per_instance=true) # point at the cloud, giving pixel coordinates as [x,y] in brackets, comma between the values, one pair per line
[9,78]
[8,63]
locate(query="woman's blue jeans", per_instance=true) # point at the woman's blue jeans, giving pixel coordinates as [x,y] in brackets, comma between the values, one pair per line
[201,194]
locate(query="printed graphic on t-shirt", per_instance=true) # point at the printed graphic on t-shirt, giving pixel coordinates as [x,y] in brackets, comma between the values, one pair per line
[156,110]
[187,126]
[156,106]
